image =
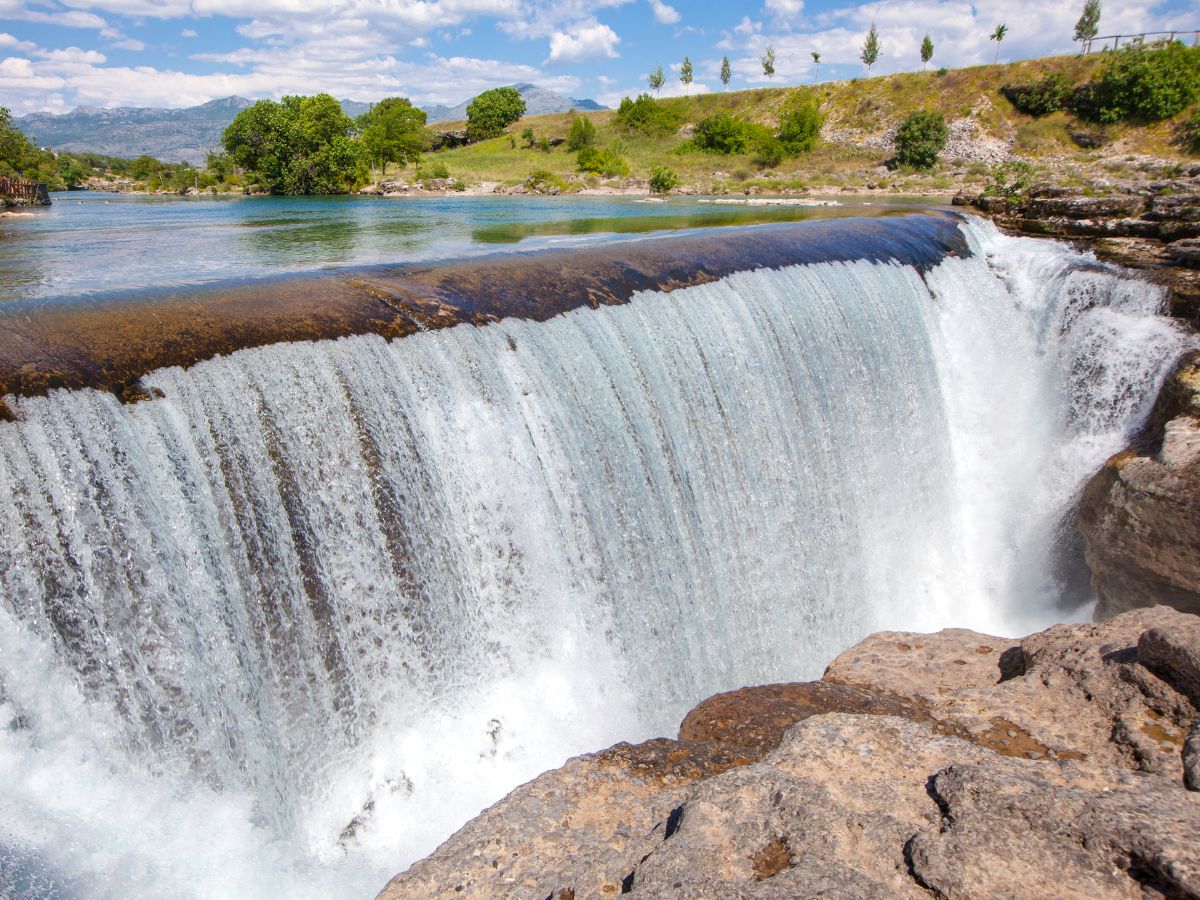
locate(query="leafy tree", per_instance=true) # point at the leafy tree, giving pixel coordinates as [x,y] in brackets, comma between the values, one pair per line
[926,52]
[800,124]
[219,164]
[870,49]
[920,139]
[768,63]
[726,72]
[997,35]
[393,131]
[18,155]
[300,145]
[1088,25]
[582,133]
[685,73]
[655,80]
[816,58]
[606,161]
[646,115]
[663,180]
[1143,84]
[493,111]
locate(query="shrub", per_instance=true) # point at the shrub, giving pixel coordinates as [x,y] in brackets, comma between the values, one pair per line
[722,133]
[1143,84]
[493,111]
[1041,98]
[800,125]
[544,145]
[543,182]
[582,133]
[428,170]
[920,139]
[647,116]
[663,180]
[528,137]
[1189,133]
[770,153]
[604,161]
[1010,179]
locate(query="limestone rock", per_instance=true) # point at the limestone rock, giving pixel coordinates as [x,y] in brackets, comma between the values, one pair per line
[1185,207]
[1122,205]
[1191,759]
[1186,252]
[1174,654]
[1009,831]
[1140,515]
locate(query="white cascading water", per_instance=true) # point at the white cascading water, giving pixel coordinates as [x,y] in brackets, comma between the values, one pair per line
[283,630]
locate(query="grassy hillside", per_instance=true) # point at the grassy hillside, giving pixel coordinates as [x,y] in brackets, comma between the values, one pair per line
[859,117]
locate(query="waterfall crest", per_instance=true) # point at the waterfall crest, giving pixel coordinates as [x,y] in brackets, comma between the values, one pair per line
[334,597]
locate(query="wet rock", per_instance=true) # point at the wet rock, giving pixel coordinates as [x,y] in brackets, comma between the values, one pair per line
[1085,207]
[965,198]
[1140,515]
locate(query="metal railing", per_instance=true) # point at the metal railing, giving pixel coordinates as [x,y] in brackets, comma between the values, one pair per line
[21,189]
[1136,40]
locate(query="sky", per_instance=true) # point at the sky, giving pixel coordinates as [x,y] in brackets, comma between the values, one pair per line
[59,54]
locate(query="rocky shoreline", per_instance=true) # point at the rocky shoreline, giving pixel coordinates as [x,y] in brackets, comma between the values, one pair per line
[956,764]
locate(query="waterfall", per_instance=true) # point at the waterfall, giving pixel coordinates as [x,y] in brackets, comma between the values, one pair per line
[282,629]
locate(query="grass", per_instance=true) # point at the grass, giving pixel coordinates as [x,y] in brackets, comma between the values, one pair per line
[857,112]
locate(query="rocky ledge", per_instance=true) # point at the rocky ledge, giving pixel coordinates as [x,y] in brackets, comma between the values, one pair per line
[951,765]
[1152,225]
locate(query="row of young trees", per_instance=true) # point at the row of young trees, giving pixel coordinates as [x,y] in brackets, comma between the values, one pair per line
[1086,30]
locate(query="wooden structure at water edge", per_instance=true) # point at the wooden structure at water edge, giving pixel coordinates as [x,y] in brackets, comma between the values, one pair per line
[22,192]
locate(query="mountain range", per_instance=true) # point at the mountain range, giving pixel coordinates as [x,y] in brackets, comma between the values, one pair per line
[175,135]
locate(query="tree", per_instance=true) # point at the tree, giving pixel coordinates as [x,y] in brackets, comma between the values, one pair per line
[493,111]
[768,63]
[300,145]
[685,73]
[870,49]
[582,133]
[393,131]
[662,180]
[800,123]
[926,52]
[998,35]
[655,80]
[726,72]
[1088,25]
[816,58]
[920,139]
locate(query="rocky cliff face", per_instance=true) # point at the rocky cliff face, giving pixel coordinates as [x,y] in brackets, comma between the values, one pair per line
[952,765]
[1140,514]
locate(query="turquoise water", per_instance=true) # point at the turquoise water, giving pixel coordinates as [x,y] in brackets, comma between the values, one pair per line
[92,242]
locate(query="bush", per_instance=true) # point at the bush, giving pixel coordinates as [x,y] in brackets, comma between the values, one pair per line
[770,153]
[528,137]
[663,180]
[605,162]
[1189,133]
[582,133]
[544,145]
[429,170]
[722,133]
[920,139]
[800,125]
[1041,98]
[647,116]
[1010,179]
[493,111]
[1146,85]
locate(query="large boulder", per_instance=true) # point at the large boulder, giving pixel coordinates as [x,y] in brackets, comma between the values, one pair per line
[957,763]
[1140,515]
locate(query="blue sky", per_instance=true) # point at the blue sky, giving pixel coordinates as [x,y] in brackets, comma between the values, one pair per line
[57,54]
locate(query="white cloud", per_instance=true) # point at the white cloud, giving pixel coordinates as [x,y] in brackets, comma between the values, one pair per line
[8,42]
[784,11]
[419,42]
[586,41]
[664,14]
[130,44]
[189,33]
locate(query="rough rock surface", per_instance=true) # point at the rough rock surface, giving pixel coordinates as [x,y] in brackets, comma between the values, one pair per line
[1140,515]
[910,770]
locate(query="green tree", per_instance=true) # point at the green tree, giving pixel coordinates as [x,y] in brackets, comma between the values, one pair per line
[816,58]
[870,49]
[926,52]
[726,72]
[1146,85]
[800,123]
[768,63]
[393,131]
[685,74]
[493,111]
[300,145]
[219,164]
[582,133]
[663,180]
[655,80]
[920,139]
[1088,25]
[997,35]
